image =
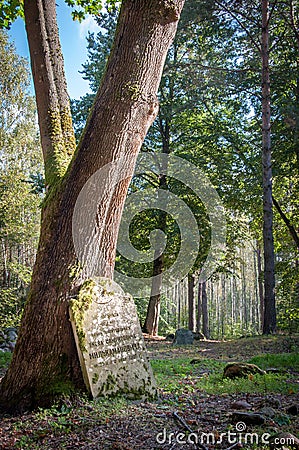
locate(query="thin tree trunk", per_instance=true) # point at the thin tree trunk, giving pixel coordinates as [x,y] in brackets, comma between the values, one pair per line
[53,105]
[257,319]
[233,304]
[269,276]
[205,315]
[295,28]
[5,271]
[224,306]
[244,295]
[45,362]
[191,303]
[199,308]
[178,286]
[260,286]
[151,323]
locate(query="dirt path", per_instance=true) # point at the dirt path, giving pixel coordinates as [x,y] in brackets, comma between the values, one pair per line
[239,349]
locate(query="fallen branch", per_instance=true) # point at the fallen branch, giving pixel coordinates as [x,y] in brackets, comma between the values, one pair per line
[186,426]
[233,446]
[183,422]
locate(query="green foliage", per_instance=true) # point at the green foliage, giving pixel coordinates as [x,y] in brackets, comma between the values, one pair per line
[283,361]
[11,307]
[86,7]
[93,7]
[5,358]
[141,305]
[209,114]
[9,11]
[20,183]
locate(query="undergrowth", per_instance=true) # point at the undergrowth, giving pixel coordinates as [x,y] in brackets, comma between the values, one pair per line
[179,375]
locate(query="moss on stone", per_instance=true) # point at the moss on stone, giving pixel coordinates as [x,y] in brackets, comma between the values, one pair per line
[104,285]
[95,378]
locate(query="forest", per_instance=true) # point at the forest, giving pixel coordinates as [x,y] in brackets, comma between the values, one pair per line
[192,119]
[210,114]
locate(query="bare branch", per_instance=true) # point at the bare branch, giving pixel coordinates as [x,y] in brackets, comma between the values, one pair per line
[287,222]
[187,428]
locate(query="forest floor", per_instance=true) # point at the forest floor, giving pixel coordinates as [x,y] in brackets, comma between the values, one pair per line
[197,407]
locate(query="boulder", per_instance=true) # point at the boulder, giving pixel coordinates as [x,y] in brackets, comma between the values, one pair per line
[12,335]
[268,411]
[284,441]
[8,339]
[238,370]
[183,337]
[248,418]
[241,404]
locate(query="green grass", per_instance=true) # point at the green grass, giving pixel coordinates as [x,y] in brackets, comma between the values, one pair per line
[287,361]
[178,376]
[264,384]
[60,420]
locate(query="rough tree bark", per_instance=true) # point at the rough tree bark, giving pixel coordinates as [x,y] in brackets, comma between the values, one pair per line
[45,362]
[53,105]
[269,262]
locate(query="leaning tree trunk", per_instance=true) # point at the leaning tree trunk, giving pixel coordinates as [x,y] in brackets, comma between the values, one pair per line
[45,361]
[269,276]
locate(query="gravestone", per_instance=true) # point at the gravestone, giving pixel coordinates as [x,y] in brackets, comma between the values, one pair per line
[110,342]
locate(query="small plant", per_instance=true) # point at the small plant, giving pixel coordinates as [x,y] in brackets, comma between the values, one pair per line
[5,358]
